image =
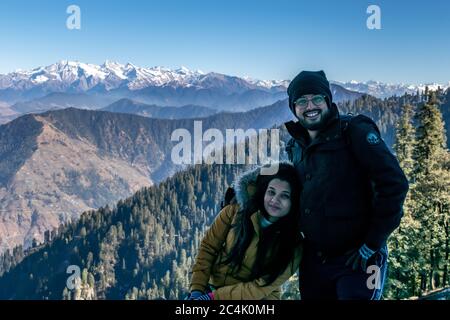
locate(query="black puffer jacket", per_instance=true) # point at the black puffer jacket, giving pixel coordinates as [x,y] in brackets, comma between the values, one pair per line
[353,187]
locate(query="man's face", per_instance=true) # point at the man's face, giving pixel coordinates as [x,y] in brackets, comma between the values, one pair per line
[314,113]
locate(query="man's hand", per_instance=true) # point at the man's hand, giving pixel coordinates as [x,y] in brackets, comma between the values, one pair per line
[194,295]
[359,258]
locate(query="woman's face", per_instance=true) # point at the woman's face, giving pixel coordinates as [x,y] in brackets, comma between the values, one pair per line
[277,199]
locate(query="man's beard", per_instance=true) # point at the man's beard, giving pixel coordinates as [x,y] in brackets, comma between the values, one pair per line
[317,125]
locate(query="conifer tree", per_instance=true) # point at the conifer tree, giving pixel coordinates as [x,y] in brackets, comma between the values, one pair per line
[431,195]
[403,253]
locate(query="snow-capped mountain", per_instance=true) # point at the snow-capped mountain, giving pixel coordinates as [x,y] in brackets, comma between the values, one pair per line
[157,85]
[79,77]
[85,76]
[91,86]
[268,83]
[385,90]
[112,75]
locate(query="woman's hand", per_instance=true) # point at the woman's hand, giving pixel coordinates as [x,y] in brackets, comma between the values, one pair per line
[206,296]
[193,295]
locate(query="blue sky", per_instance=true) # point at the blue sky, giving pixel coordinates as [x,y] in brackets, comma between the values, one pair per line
[262,39]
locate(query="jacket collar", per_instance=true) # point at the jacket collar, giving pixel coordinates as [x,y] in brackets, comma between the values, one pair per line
[255,221]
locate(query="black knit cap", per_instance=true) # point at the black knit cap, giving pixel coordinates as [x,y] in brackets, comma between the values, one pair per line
[309,82]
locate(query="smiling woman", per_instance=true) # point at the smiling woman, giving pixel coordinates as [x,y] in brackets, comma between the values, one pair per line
[254,245]
[277,199]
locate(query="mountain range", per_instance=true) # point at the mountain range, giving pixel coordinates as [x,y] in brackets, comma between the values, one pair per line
[57,164]
[157,85]
[88,86]
[121,79]
[385,90]
[154,111]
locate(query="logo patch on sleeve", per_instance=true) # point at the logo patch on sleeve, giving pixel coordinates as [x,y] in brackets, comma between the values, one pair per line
[373,138]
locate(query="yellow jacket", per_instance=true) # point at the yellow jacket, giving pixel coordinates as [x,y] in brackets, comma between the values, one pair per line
[215,247]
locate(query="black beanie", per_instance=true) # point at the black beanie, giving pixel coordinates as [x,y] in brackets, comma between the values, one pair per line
[309,82]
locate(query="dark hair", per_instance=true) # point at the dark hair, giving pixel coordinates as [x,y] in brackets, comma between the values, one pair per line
[281,237]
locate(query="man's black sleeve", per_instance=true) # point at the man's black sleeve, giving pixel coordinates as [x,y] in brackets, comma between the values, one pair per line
[389,183]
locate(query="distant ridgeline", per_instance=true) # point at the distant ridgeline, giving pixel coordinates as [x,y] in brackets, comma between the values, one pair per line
[144,247]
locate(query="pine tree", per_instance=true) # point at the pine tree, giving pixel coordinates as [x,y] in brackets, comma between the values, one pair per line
[431,193]
[403,253]
[91,280]
[66,294]
[405,139]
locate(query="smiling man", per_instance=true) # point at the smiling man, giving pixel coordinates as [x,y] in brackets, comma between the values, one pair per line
[312,115]
[353,191]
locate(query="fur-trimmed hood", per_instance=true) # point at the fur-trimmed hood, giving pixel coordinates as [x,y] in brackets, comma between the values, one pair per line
[245,184]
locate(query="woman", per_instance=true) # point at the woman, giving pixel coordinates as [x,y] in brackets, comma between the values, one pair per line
[253,246]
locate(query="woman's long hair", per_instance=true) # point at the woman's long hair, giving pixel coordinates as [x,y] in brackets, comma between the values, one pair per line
[280,238]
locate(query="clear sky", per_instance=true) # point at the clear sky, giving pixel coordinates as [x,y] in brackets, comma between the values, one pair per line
[262,39]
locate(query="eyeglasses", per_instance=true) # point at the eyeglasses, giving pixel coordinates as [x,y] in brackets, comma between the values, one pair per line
[302,102]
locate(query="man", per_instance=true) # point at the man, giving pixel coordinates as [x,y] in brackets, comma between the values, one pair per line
[352,196]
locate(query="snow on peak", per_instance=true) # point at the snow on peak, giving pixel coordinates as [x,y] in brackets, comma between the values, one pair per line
[384,90]
[183,69]
[113,74]
[267,83]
